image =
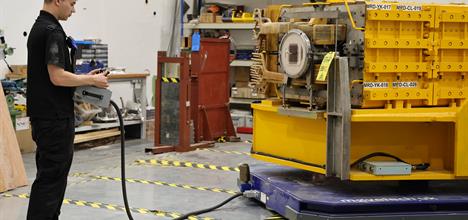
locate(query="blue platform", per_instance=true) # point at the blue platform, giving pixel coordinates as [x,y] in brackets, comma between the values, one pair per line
[295,194]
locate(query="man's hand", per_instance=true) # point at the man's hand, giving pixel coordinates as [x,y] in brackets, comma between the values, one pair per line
[94,72]
[60,77]
[99,80]
[102,70]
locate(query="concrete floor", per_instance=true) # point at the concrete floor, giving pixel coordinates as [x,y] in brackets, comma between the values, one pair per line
[104,161]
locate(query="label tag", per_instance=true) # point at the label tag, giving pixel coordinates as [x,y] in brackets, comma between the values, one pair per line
[409,7]
[405,84]
[263,197]
[196,42]
[22,123]
[375,85]
[384,7]
[325,66]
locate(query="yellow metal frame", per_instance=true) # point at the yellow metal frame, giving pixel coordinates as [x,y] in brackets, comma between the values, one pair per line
[272,136]
[417,135]
[426,123]
[427,46]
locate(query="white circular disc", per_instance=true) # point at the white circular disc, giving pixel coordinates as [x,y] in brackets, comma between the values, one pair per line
[294,53]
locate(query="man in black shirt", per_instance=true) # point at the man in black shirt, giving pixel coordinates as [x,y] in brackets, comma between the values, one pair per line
[51,83]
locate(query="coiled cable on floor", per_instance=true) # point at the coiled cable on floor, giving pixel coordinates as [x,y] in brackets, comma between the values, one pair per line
[122,160]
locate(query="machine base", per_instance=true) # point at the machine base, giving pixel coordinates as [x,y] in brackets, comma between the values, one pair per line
[300,194]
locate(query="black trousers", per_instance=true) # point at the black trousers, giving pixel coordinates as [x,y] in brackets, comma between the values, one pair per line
[54,155]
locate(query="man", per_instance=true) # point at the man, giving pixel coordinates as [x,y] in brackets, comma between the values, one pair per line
[51,85]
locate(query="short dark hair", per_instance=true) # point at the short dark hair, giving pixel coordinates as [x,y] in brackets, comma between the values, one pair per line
[48,1]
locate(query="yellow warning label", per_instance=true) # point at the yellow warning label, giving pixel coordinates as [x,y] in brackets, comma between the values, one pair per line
[325,66]
[221,139]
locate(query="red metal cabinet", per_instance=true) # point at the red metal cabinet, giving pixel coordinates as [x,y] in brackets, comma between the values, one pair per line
[210,90]
[200,95]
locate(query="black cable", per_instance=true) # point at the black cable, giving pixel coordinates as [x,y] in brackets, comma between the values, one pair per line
[8,65]
[208,209]
[422,166]
[377,154]
[123,178]
[122,160]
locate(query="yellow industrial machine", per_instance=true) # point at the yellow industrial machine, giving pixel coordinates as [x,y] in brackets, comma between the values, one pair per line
[354,83]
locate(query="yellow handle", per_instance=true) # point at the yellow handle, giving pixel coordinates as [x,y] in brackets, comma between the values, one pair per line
[351,17]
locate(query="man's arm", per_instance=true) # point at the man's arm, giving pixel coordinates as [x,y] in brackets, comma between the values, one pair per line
[60,77]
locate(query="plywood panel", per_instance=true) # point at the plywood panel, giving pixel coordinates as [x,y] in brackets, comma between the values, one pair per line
[12,172]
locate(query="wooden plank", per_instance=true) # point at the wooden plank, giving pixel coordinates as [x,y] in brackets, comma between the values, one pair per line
[128,75]
[12,172]
[14,76]
[80,138]
[160,149]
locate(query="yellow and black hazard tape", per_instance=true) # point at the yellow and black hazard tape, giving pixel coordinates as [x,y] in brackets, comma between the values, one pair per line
[99,205]
[186,164]
[161,183]
[221,139]
[275,217]
[80,182]
[170,80]
[227,152]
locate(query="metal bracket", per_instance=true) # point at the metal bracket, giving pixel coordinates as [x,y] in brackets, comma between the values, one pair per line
[338,120]
[308,13]
[301,112]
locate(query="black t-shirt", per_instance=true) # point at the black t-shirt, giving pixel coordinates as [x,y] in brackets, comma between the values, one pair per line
[47,44]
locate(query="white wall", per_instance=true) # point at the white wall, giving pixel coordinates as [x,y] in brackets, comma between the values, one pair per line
[14,22]
[133,32]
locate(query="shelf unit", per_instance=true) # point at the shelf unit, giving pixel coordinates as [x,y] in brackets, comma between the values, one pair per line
[101,126]
[241,63]
[242,101]
[214,26]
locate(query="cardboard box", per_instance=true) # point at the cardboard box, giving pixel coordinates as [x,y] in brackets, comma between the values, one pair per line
[249,121]
[242,84]
[25,141]
[238,120]
[208,18]
[246,93]
[150,129]
[219,19]
[241,74]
